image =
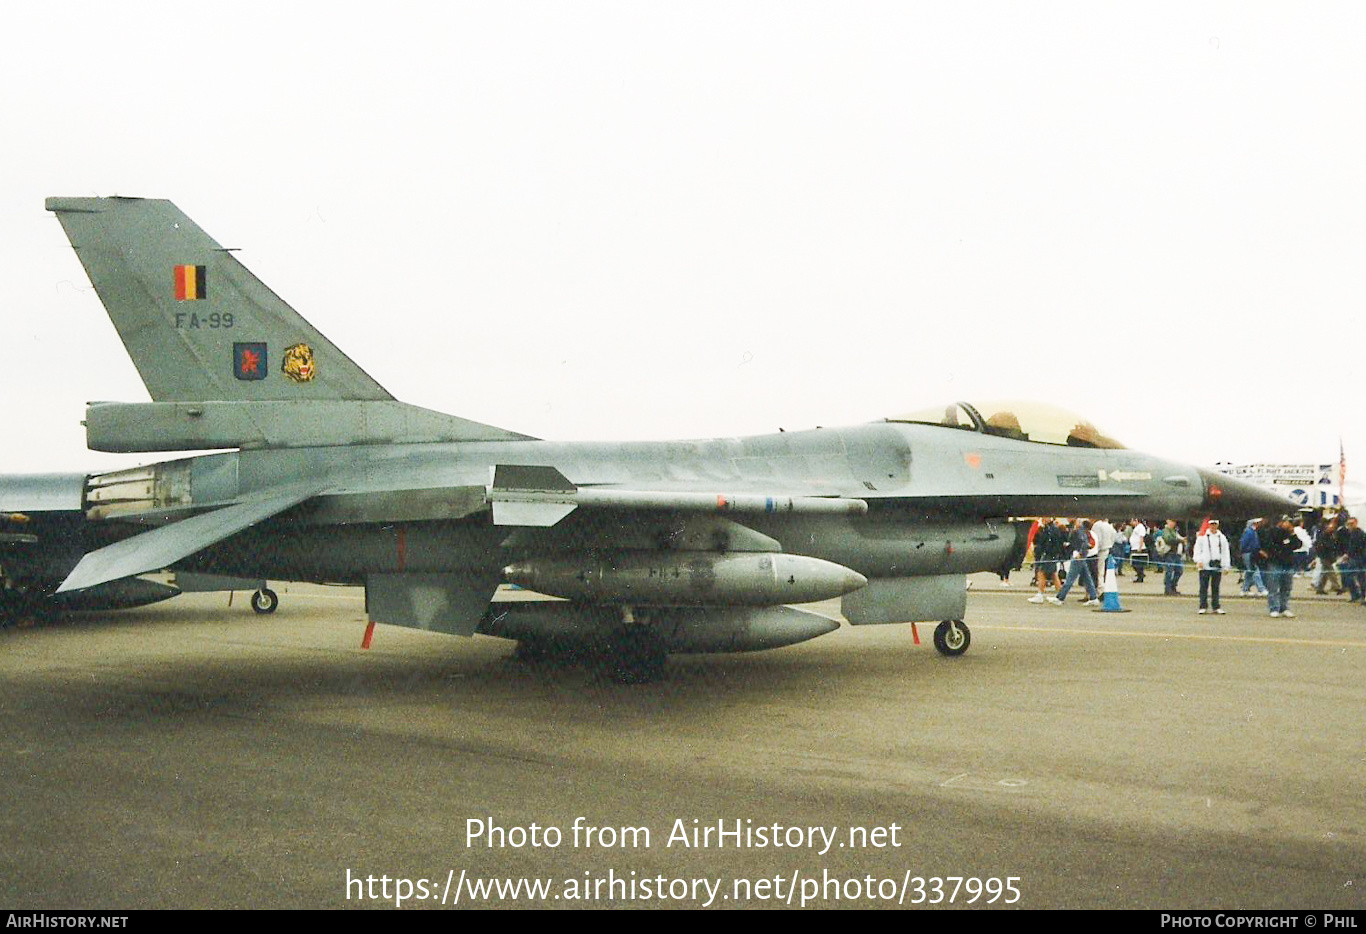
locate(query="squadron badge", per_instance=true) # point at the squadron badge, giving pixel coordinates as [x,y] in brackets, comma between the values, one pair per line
[249,360]
[298,364]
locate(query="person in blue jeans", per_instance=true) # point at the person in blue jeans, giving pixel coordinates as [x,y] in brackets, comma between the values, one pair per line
[1174,557]
[1354,566]
[1077,546]
[1249,545]
[1278,544]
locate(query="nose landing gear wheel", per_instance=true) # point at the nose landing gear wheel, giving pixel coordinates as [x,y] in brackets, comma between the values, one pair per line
[951,637]
[264,601]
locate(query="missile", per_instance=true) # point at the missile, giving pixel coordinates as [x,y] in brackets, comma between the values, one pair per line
[542,496]
[679,578]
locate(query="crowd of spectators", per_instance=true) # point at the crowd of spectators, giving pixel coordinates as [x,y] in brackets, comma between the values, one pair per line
[1326,548]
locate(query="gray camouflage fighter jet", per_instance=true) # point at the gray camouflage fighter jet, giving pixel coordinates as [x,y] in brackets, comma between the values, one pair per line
[682,546]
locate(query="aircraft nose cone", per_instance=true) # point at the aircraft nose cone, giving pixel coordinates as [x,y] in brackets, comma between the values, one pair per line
[1230,498]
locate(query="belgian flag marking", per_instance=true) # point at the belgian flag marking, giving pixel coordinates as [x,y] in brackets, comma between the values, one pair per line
[191,283]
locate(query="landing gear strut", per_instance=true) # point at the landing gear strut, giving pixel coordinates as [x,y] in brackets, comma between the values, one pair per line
[634,654]
[265,601]
[951,637]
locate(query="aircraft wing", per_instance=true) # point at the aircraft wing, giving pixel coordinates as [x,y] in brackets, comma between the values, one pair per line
[168,544]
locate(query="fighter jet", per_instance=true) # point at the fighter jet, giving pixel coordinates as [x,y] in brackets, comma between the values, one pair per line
[652,547]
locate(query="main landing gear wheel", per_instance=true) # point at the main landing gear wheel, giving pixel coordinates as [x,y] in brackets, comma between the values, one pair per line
[23,608]
[634,656]
[530,652]
[951,637]
[265,601]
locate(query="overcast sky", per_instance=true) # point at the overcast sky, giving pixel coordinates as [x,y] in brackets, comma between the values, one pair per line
[655,220]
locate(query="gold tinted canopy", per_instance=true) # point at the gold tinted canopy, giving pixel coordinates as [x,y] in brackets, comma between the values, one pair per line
[1022,421]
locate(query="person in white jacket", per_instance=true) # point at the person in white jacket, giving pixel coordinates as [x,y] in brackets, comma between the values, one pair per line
[1105,541]
[1138,549]
[1212,556]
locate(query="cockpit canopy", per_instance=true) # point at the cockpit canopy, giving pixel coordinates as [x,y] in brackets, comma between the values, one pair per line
[1022,421]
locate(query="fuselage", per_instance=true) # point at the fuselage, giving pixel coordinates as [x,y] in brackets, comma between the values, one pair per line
[938,498]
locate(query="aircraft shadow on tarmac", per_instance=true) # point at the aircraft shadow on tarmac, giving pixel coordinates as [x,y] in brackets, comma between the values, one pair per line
[257,666]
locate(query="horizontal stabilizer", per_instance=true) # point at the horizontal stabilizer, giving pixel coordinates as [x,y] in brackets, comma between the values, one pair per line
[168,544]
[554,497]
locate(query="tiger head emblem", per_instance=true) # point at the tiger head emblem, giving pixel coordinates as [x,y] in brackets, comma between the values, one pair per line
[298,364]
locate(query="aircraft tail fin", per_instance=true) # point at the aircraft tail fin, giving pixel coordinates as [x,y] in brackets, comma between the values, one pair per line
[196,322]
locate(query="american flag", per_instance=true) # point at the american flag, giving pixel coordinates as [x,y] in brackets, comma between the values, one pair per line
[1342,473]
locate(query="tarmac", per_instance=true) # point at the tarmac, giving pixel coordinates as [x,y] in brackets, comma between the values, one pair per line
[194,754]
